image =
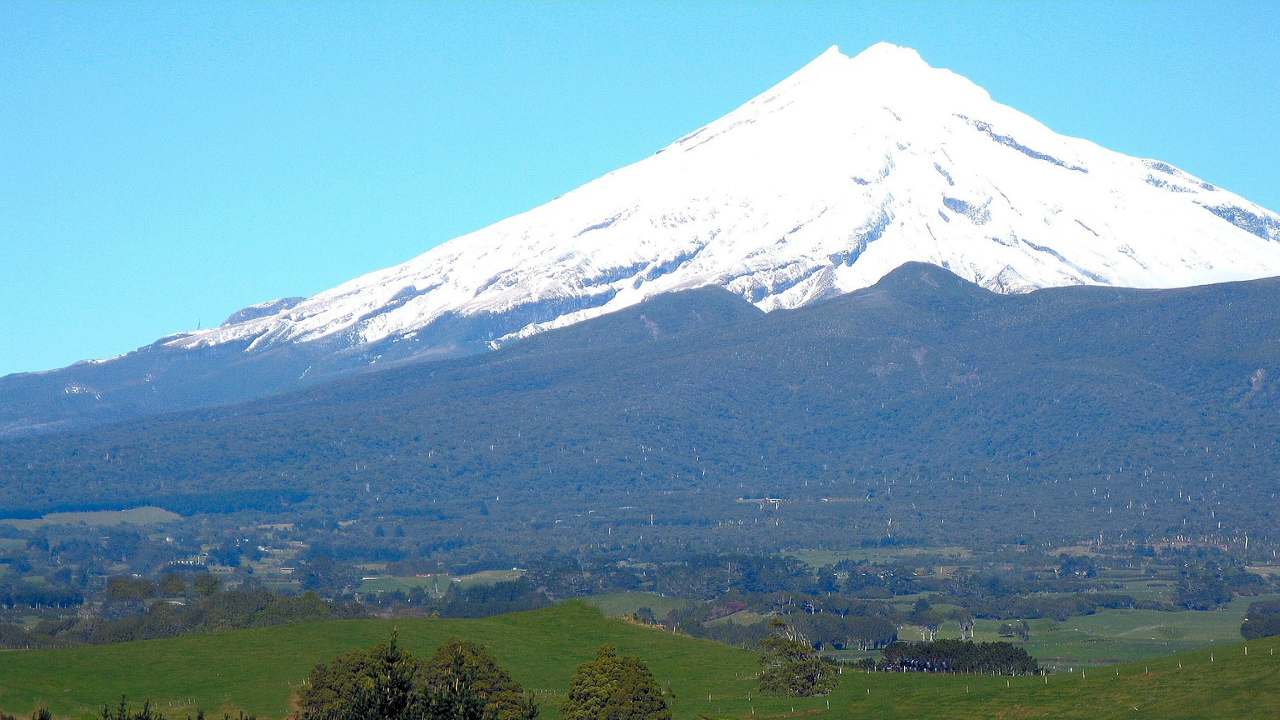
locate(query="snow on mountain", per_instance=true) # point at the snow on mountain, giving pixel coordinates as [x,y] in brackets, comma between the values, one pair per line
[821,185]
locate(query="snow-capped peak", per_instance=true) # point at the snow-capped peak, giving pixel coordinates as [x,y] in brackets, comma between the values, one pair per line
[841,172]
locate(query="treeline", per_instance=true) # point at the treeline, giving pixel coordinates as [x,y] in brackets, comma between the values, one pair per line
[25,594]
[956,656]
[1034,607]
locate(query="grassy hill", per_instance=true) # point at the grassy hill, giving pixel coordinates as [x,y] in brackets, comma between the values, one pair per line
[255,670]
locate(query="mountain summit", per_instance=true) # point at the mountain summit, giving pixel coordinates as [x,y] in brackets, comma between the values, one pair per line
[821,185]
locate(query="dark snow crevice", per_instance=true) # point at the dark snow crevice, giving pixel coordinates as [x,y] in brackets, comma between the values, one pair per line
[1060,258]
[1086,227]
[1008,141]
[599,226]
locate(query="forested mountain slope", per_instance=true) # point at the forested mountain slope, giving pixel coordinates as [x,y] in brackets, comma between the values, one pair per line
[1117,403]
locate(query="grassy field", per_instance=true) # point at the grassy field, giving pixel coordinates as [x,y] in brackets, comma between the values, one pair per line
[1113,636]
[436,584]
[620,604]
[256,670]
[100,518]
[742,617]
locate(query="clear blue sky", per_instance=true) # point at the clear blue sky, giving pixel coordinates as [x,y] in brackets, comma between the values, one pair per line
[165,164]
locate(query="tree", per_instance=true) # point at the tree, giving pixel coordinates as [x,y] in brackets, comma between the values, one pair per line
[964,618]
[206,584]
[463,677]
[460,682]
[828,580]
[1079,566]
[614,687]
[790,666]
[929,620]
[645,615]
[377,683]
[172,585]
[1261,620]
[1203,589]
[128,588]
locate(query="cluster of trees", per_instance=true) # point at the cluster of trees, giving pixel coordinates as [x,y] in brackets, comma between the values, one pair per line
[790,666]
[957,656]
[860,632]
[133,612]
[831,621]
[1070,590]
[462,681]
[18,593]
[1211,585]
[482,600]
[478,600]
[1057,607]
[1019,629]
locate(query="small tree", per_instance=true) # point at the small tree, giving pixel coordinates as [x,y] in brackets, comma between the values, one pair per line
[373,684]
[614,687]
[790,666]
[463,675]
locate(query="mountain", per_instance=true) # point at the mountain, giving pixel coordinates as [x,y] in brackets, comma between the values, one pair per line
[924,398]
[820,186]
